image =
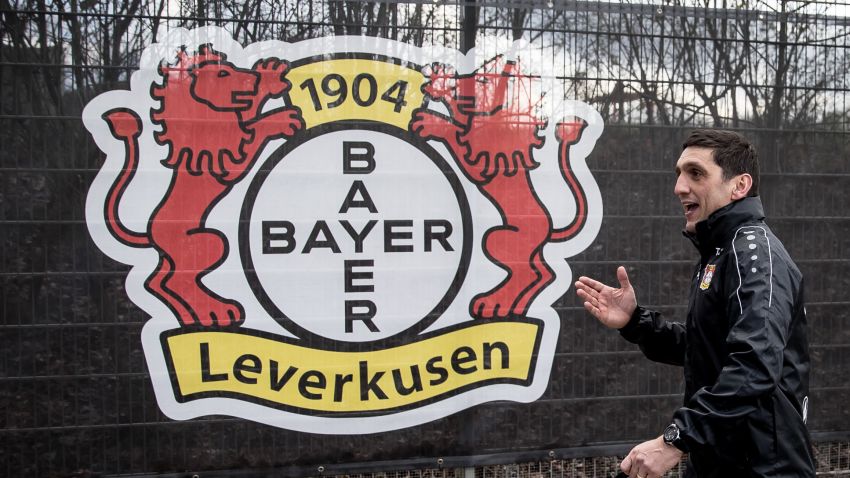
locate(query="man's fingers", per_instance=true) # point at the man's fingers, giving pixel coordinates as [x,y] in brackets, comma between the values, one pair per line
[593,284]
[594,311]
[588,301]
[586,293]
[638,464]
[583,294]
[626,465]
[591,303]
[623,277]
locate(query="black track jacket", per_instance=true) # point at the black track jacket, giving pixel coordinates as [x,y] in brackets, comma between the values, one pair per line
[744,351]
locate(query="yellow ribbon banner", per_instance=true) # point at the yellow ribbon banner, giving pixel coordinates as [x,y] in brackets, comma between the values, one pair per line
[355,89]
[277,371]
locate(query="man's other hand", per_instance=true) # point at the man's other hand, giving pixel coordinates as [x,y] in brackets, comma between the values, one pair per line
[613,307]
[651,459]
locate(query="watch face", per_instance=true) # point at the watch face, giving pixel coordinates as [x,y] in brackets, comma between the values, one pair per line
[671,433]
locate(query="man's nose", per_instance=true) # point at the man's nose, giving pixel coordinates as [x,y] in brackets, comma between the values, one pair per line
[681,186]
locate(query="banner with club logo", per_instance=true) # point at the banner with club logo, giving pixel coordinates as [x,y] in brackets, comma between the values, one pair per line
[343,235]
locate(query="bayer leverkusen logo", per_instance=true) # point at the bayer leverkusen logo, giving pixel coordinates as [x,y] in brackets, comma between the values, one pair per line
[343,235]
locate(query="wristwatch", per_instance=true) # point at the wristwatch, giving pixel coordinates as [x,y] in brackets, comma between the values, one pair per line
[671,436]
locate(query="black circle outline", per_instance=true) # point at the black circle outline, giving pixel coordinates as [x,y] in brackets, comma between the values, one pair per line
[259,179]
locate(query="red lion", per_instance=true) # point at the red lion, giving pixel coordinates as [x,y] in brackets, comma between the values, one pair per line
[211,120]
[492,133]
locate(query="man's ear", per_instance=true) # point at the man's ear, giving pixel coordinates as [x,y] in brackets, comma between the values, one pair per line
[743,183]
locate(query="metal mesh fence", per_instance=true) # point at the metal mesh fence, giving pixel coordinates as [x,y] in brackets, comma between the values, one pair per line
[75,396]
[833,460]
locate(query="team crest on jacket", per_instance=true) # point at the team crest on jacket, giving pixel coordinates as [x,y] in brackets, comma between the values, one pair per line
[343,235]
[707,275]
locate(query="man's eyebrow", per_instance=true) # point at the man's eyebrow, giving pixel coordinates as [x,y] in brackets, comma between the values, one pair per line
[690,165]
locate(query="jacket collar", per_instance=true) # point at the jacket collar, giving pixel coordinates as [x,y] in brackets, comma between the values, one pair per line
[718,229]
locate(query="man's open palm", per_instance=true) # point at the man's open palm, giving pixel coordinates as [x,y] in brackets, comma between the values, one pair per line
[613,307]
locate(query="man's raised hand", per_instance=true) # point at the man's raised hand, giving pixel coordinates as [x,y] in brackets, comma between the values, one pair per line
[613,307]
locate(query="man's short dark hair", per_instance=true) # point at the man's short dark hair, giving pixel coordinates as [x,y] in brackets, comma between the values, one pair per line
[732,152]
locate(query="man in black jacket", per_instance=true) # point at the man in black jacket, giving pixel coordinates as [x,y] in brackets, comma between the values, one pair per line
[743,346]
